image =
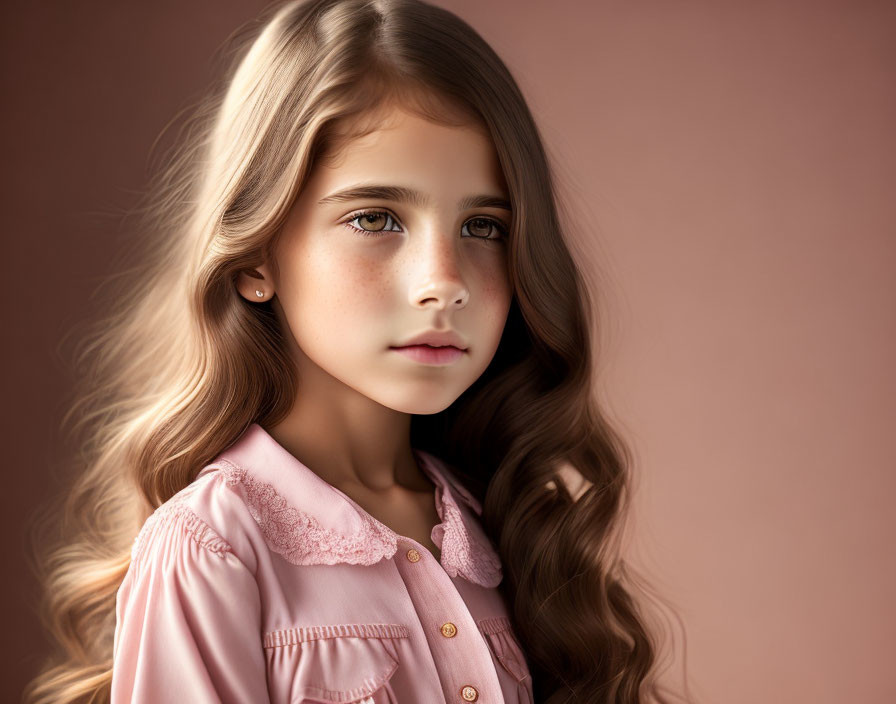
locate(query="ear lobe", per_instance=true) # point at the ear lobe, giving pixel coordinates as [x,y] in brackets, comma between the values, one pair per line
[255,284]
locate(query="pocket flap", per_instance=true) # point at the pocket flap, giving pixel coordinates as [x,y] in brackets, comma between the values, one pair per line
[507,650]
[341,663]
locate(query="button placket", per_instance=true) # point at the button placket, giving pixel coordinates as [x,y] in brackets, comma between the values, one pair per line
[430,585]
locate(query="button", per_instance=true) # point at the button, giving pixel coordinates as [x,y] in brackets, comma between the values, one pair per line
[413,555]
[449,630]
[469,693]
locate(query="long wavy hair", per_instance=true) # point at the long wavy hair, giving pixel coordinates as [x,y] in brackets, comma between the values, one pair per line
[179,364]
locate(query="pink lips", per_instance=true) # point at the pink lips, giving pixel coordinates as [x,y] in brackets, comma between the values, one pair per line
[430,355]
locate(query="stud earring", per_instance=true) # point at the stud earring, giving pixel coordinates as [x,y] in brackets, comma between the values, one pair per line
[260,294]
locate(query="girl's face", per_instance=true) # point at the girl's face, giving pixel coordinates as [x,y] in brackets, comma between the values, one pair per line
[360,274]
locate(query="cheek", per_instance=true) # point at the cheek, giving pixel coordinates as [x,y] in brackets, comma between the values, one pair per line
[496,294]
[497,287]
[340,287]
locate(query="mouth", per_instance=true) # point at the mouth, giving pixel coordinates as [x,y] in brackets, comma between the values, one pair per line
[427,354]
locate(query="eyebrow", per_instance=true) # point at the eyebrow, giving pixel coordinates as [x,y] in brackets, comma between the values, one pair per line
[411,196]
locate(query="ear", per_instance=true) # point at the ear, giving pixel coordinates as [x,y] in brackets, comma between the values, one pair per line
[251,282]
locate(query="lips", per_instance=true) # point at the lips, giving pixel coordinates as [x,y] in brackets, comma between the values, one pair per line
[426,354]
[435,338]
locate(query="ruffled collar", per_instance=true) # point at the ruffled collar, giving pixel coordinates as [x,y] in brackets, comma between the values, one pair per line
[310,522]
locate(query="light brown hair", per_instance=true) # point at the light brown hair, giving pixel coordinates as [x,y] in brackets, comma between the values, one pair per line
[182,364]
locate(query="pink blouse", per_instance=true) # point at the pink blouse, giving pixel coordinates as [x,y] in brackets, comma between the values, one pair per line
[261,582]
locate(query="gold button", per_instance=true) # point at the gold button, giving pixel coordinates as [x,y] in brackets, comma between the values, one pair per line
[469,693]
[449,630]
[413,555]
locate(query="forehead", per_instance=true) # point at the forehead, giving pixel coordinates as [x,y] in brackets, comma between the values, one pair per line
[401,144]
[391,104]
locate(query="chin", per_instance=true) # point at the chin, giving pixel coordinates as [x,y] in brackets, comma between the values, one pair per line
[421,404]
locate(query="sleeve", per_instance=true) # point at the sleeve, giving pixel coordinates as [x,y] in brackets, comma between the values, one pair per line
[188,623]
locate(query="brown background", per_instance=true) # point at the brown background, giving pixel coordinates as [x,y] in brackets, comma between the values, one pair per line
[731,167]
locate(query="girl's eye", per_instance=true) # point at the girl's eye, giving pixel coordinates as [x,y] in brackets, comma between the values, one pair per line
[372,219]
[373,222]
[486,224]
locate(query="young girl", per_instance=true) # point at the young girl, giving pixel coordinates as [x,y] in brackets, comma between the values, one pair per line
[344,443]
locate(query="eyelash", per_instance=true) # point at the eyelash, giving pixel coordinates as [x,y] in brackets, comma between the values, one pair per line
[378,233]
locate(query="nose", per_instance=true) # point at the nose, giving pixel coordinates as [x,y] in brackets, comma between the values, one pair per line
[438,281]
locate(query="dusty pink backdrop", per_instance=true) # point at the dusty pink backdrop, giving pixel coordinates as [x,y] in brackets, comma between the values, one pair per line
[731,169]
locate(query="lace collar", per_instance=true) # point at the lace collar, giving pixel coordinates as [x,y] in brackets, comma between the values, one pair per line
[310,522]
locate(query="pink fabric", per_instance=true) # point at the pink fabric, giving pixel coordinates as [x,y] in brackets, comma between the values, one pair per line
[261,582]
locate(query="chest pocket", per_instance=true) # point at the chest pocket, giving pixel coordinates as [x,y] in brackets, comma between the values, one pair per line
[345,664]
[507,652]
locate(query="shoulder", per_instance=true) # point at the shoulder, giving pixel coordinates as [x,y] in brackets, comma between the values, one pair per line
[208,513]
[573,480]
